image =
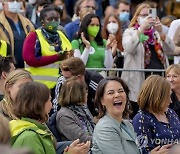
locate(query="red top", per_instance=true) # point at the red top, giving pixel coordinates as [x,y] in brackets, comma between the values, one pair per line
[29,53]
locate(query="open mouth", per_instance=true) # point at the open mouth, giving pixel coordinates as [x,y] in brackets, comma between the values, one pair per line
[117,103]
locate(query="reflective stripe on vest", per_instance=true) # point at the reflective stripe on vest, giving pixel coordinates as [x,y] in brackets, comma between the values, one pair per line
[48,74]
[3,48]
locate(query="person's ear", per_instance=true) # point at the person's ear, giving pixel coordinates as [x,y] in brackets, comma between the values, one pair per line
[4,75]
[79,77]
[102,102]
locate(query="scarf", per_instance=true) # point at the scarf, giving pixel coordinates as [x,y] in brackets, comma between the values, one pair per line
[152,40]
[52,38]
[84,116]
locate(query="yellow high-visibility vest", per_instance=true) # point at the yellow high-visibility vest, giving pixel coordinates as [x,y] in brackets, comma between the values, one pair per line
[3,48]
[48,74]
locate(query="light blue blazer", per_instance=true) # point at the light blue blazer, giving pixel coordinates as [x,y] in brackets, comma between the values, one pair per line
[110,138]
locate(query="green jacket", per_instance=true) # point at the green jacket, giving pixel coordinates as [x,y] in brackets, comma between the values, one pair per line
[33,135]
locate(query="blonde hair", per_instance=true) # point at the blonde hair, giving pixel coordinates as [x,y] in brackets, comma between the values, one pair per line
[12,78]
[136,14]
[174,67]
[154,94]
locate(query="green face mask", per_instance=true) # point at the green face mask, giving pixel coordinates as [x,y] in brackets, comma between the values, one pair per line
[93,30]
[52,26]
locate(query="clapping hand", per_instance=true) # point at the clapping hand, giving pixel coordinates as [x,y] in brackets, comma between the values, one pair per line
[111,41]
[78,148]
[86,42]
[66,54]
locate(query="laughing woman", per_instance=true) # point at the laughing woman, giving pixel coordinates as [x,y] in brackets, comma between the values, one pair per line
[112,133]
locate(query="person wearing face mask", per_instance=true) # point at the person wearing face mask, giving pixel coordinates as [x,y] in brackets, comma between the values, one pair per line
[80,7]
[145,47]
[33,10]
[45,47]
[123,11]
[112,26]
[65,18]
[90,46]
[13,28]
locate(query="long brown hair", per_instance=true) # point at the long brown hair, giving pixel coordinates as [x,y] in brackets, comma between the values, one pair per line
[118,36]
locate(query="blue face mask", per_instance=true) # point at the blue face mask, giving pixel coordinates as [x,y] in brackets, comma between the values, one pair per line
[124,16]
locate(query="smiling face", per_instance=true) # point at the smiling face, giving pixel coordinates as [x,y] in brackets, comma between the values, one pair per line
[174,80]
[114,99]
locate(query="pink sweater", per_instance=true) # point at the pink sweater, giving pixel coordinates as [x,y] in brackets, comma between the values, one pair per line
[29,53]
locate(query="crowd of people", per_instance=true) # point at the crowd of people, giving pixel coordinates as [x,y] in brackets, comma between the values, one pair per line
[54,97]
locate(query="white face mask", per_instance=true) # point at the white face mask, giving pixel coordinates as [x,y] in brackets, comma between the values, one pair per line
[1,7]
[112,28]
[14,7]
[32,1]
[141,20]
